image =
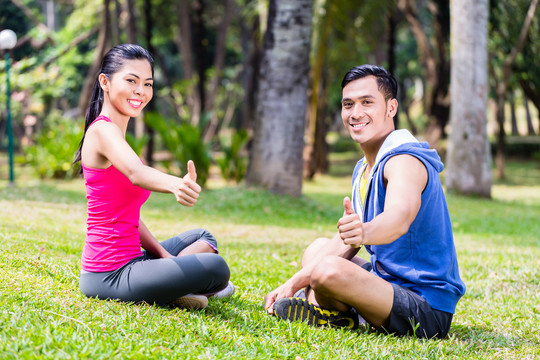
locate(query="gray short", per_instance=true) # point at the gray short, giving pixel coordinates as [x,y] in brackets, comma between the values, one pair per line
[153,280]
[412,314]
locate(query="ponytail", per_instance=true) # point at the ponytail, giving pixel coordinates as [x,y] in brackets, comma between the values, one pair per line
[94,108]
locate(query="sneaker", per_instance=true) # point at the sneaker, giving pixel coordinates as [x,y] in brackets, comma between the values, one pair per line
[300,294]
[227,292]
[191,301]
[297,309]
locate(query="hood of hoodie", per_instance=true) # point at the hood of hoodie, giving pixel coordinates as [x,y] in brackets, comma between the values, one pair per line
[402,141]
[397,142]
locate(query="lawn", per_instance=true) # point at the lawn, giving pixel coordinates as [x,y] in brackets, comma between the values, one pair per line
[262,236]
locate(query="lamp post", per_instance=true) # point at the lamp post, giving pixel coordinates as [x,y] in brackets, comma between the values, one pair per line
[8,40]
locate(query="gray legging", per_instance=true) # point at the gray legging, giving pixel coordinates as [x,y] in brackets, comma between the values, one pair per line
[153,280]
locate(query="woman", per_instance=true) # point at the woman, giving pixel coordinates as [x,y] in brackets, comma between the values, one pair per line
[181,271]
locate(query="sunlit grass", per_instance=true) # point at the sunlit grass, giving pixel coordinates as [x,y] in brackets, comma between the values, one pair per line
[262,236]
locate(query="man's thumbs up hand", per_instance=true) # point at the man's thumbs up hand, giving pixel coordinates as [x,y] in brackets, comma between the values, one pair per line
[347,206]
[350,226]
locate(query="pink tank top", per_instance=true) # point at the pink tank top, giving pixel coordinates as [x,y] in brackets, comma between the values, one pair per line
[114,205]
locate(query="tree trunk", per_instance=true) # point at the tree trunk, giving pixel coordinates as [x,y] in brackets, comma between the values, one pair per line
[513,118]
[200,50]
[148,21]
[219,64]
[391,52]
[320,155]
[532,95]
[251,45]
[435,67]
[131,28]
[500,157]
[530,127]
[50,14]
[468,158]
[184,44]
[276,154]
[115,23]
[503,84]
[316,101]
[102,45]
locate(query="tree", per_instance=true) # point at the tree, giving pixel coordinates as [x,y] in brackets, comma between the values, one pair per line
[331,38]
[502,79]
[468,159]
[433,56]
[527,71]
[276,154]
[103,44]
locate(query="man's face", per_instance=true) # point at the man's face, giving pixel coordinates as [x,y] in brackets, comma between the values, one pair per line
[365,113]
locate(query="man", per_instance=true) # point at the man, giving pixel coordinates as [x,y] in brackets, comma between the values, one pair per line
[399,213]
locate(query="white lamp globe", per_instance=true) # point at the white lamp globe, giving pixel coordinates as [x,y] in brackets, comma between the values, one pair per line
[8,39]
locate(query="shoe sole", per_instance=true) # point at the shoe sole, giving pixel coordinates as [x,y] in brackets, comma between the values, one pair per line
[193,302]
[297,309]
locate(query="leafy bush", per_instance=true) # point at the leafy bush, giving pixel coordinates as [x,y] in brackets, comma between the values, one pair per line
[233,163]
[184,142]
[51,155]
[137,144]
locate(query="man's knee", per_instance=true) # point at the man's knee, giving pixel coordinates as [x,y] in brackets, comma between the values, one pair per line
[327,273]
[313,249]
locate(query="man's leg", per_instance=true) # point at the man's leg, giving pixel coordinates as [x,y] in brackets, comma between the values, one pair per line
[322,272]
[339,284]
[336,285]
[312,257]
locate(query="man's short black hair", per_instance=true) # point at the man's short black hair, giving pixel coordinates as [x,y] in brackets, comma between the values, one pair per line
[386,83]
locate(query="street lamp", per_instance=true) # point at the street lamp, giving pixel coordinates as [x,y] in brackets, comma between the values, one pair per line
[8,40]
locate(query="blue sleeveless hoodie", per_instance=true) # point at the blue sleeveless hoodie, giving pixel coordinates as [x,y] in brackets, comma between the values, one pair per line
[424,259]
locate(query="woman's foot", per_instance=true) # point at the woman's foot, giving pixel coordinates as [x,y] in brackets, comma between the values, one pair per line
[191,301]
[225,293]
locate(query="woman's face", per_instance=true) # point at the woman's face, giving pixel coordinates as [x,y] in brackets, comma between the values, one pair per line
[129,90]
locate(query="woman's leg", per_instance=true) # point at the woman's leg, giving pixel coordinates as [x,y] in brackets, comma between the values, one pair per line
[159,281]
[194,241]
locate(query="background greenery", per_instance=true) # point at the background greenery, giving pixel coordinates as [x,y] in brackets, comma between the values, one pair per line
[61,43]
[262,236]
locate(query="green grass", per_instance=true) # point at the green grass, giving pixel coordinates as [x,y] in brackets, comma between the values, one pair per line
[262,236]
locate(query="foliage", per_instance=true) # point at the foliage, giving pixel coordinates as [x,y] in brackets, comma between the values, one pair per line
[51,76]
[505,23]
[261,236]
[526,68]
[51,155]
[184,142]
[137,144]
[233,162]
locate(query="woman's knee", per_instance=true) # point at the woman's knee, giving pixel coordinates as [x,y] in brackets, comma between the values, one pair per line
[206,236]
[217,267]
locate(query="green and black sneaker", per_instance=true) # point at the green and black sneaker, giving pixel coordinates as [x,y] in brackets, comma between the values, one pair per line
[297,309]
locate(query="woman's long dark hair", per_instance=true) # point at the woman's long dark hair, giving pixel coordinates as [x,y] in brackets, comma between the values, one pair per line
[112,62]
